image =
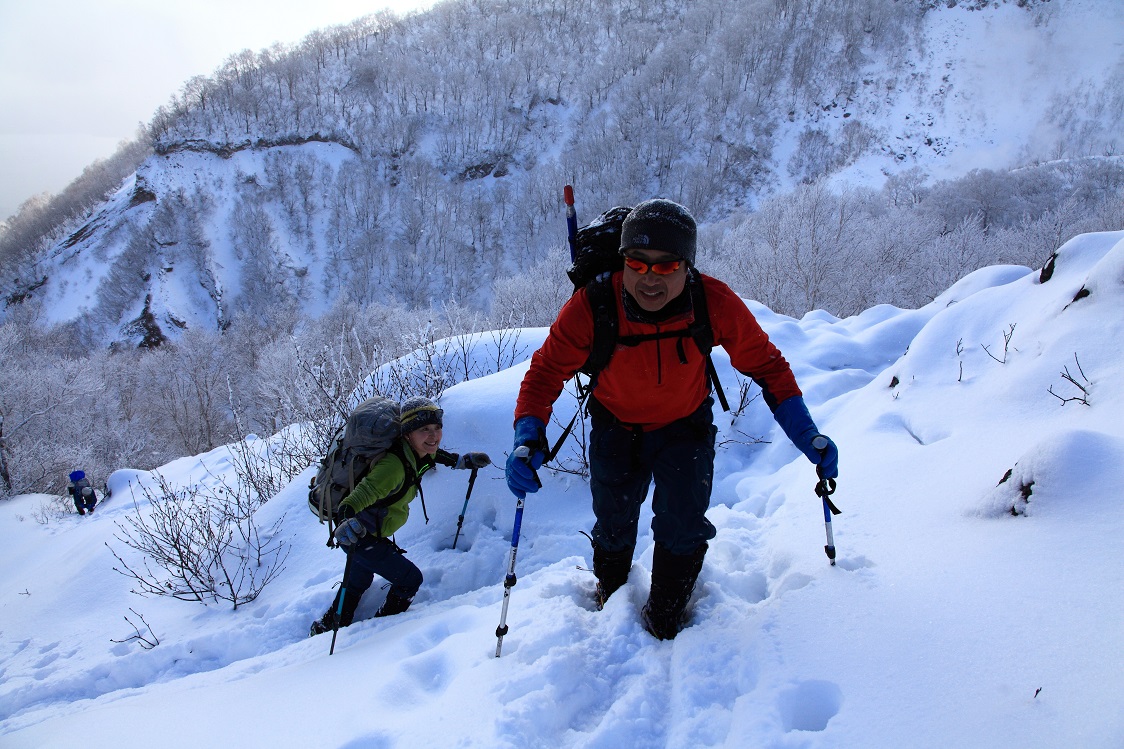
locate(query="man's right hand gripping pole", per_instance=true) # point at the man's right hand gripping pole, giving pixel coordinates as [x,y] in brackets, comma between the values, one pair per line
[527,457]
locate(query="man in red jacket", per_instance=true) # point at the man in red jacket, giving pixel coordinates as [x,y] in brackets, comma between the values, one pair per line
[651,408]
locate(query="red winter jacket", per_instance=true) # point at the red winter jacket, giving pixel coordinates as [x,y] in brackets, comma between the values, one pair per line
[646,384]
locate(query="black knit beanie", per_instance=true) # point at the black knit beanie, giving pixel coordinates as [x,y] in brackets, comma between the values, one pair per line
[418,412]
[660,225]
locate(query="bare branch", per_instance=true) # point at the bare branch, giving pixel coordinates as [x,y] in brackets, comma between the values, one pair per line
[149,642]
[1083,389]
[1007,335]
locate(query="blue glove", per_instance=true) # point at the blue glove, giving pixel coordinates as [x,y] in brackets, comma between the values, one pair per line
[530,432]
[797,423]
[349,532]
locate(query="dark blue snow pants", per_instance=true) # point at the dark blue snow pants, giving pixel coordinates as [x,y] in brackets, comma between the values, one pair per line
[381,557]
[624,461]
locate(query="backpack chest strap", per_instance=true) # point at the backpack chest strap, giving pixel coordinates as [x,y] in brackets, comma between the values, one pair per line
[636,340]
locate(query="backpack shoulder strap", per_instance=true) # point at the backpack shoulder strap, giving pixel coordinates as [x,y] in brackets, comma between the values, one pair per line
[700,328]
[411,479]
[703,333]
[606,324]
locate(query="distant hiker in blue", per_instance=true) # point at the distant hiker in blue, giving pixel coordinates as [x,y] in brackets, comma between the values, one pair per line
[85,498]
[380,505]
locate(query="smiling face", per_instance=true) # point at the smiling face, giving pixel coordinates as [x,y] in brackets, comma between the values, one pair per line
[651,290]
[425,441]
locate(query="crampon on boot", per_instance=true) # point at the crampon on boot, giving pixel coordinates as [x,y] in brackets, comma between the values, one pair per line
[323,624]
[611,569]
[394,604]
[673,581]
[327,622]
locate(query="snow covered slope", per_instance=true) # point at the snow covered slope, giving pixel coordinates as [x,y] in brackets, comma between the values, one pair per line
[963,611]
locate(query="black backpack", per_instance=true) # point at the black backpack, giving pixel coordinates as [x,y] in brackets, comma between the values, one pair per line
[596,257]
[597,247]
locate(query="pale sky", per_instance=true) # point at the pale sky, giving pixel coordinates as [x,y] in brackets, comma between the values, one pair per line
[78,76]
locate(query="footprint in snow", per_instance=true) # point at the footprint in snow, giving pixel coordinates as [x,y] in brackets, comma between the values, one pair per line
[809,705]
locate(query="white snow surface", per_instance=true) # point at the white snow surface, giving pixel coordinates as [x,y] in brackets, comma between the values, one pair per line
[949,620]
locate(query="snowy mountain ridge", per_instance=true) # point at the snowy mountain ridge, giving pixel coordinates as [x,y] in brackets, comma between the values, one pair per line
[378,198]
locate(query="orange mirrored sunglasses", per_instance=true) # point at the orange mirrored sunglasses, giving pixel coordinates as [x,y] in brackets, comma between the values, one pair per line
[665,268]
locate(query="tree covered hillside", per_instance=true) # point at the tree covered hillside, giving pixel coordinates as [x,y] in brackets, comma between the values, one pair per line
[407,159]
[310,212]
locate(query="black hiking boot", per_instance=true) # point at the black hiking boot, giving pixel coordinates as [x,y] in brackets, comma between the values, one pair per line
[327,622]
[324,624]
[394,604]
[673,580]
[611,569]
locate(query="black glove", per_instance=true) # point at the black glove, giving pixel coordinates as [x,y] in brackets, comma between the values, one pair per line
[473,460]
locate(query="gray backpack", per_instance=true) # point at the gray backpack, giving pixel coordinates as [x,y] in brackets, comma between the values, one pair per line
[371,431]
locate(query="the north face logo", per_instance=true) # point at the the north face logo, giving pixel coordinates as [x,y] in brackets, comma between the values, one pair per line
[641,239]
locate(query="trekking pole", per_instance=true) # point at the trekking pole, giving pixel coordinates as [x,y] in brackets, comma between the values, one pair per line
[339,606]
[824,489]
[571,221]
[572,238]
[523,452]
[460,520]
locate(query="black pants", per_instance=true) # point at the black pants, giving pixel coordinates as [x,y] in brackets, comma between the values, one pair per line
[381,557]
[623,463]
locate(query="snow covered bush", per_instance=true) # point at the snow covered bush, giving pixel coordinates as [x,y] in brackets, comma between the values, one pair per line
[199,544]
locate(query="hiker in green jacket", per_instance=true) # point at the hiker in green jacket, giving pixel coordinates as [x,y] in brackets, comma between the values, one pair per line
[380,505]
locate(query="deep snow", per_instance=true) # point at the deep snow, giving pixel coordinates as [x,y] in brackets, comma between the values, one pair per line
[949,621]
